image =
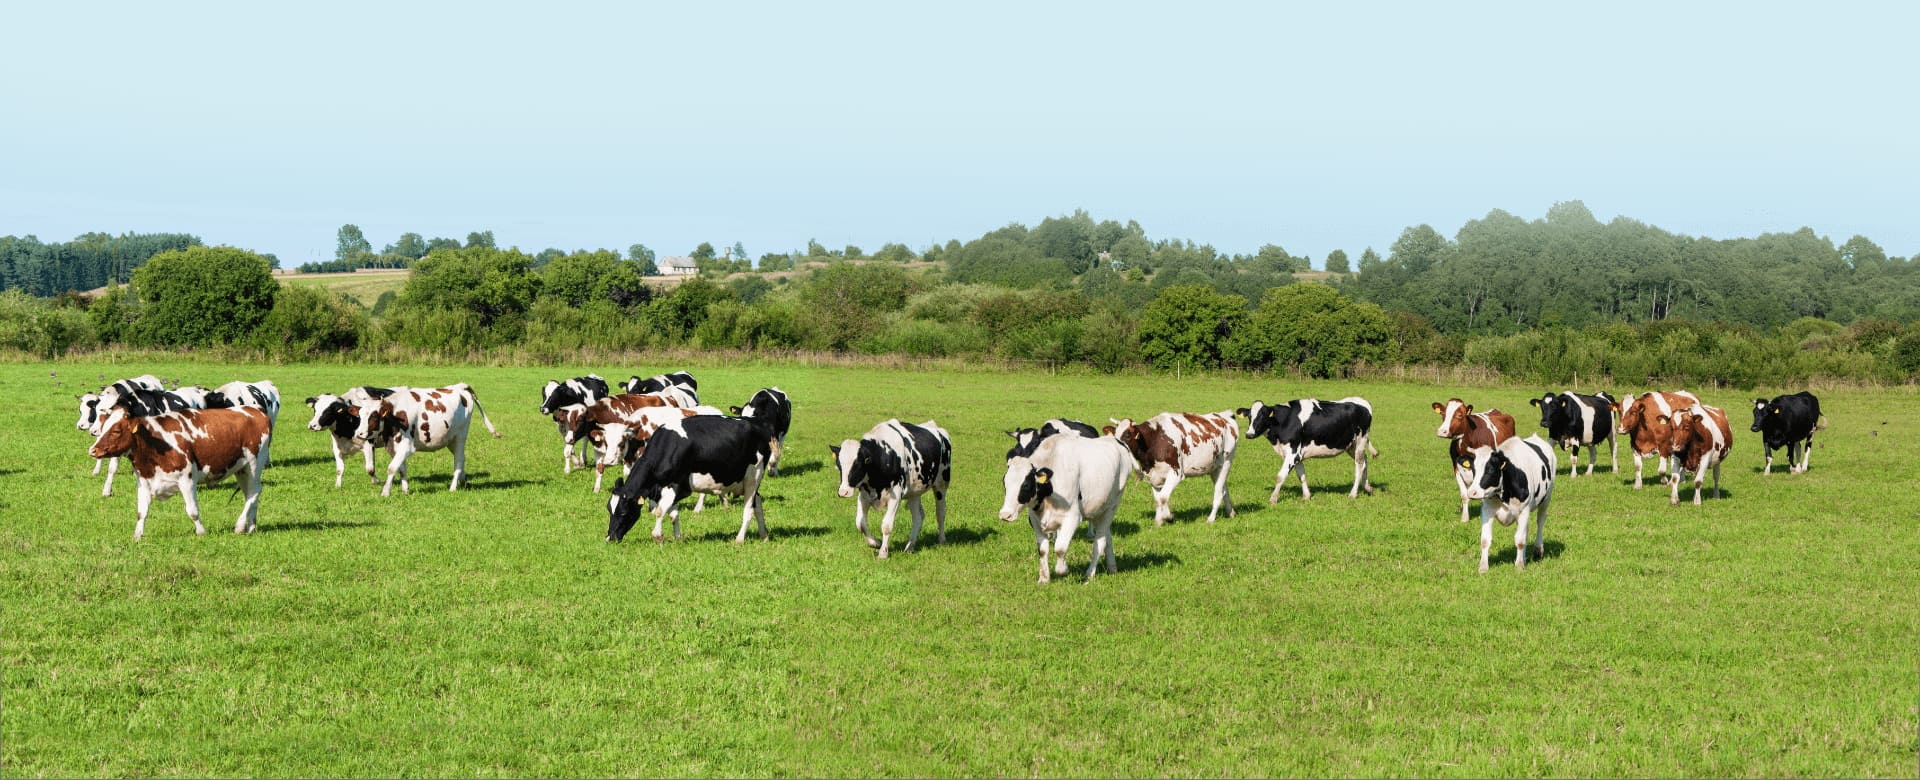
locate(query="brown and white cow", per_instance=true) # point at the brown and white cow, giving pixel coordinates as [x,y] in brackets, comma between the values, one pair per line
[1173,446]
[1470,435]
[176,452]
[414,419]
[1646,421]
[1701,440]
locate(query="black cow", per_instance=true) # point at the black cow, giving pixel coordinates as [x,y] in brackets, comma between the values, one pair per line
[1788,421]
[666,384]
[1310,428]
[773,406]
[1574,421]
[1026,440]
[705,454]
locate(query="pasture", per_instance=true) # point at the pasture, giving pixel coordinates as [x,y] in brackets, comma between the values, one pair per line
[492,632]
[364,286]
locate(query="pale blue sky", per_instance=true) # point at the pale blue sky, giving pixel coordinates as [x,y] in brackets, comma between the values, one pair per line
[1316,126]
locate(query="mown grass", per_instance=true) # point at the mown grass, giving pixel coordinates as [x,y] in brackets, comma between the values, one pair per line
[364,287]
[492,632]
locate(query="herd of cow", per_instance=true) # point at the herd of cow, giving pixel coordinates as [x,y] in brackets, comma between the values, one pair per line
[1060,474]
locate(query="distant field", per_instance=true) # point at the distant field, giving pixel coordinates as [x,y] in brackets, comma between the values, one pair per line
[491,632]
[364,287]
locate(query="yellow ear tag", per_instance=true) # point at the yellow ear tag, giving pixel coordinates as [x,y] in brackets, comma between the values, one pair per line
[1040,479]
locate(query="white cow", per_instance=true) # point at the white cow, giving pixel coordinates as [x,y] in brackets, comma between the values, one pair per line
[1066,480]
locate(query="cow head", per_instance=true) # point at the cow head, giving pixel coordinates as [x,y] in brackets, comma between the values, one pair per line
[1026,487]
[1024,440]
[854,458]
[379,422]
[1689,428]
[1486,467]
[1762,409]
[327,410]
[624,504]
[116,432]
[1453,417]
[89,411]
[1276,423]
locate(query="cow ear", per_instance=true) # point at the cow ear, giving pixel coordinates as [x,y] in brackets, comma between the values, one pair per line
[617,482]
[733,410]
[1662,418]
[835,449]
[312,399]
[1243,412]
[1042,476]
[1614,406]
[1106,430]
[1533,402]
[1438,409]
[1469,408]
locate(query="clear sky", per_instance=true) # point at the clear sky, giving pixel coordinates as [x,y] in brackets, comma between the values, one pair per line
[1312,125]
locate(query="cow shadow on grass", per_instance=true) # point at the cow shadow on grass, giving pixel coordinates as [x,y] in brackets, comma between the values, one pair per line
[1553,549]
[315,525]
[1127,562]
[478,480]
[796,469]
[306,460]
[753,532]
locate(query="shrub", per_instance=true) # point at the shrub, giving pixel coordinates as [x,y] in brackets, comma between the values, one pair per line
[1187,326]
[308,321]
[202,295]
[35,325]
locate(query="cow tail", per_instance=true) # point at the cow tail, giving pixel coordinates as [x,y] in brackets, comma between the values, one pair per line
[1821,424]
[475,399]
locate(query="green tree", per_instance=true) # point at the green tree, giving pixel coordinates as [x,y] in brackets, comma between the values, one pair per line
[644,257]
[703,253]
[202,296]
[853,251]
[739,251]
[1369,260]
[480,238]
[848,301]
[353,244]
[1337,262]
[583,277]
[440,242]
[1188,325]
[894,253]
[410,245]
[1315,328]
[465,298]
[308,321]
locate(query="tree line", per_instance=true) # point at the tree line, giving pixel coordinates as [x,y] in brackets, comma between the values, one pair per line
[88,261]
[1547,300]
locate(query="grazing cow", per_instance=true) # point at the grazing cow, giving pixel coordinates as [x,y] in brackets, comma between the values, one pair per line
[1701,440]
[1470,433]
[1788,421]
[1574,421]
[1645,421]
[1311,428]
[260,395]
[773,405]
[558,396]
[1062,482]
[704,454]
[1173,446]
[413,419]
[176,452]
[896,462]
[678,385]
[1520,473]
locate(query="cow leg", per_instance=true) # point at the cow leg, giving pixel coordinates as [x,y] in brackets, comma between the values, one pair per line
[113,467]
[96,466]
[1486,531]
[1540,529]
[1638,469]
[1162,502]
[1279,482]
[1069,526]
[566,458]
[917,506]
[192,498]
[940,513]
[1520,540]
[250,487]
[459,463]
[1103,531]
[660,510]
[142,501]
[1364,458]
[1767,470]
[886,522]
[599,473]
[1300,465]
[1220,494]
[339,462]
[366,449]
[1040,540]
[1613,454]
[396,467]
[1460,480]
[861,503]
[1716,480]
[773,465]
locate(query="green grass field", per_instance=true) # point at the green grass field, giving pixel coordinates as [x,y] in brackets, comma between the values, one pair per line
[492,632]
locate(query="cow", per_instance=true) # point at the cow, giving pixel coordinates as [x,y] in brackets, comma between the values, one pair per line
[340,415]
[612,419]
[1788,421]
[1519,473]
[261,395]
[1644,420]
[194,396]
[1468,432]
[623,442]
[1172,446]
[771,403]
[705,454]
[1701,440]
[89,419]
[892,463]
[1062,482]
[412,419]
[176,452]
[557,396]
[1310,428]
[678,385]
[141,396]
[1025,440]
[1574,421]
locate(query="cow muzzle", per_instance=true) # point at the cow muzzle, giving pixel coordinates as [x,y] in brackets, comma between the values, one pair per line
[846,492]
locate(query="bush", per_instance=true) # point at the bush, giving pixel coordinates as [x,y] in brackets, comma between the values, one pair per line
[1187,326]
[1314,328]
[201,296]
[308,321]
[35,325]
[479,293]
[927,338]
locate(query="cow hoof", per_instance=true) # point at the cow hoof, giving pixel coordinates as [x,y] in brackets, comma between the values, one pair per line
[1483,568]
[874,543]
[883,555]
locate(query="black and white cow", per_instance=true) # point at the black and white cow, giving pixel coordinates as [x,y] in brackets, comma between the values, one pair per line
[1519,474]
[557,396]
[1573,421]
[896,462]
[704,454]
[772,405]
[262,395]
[1788,421]
[1025,440]
[339,415]
[195,396]
[1310,428]
[1064,481]
[678,386]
